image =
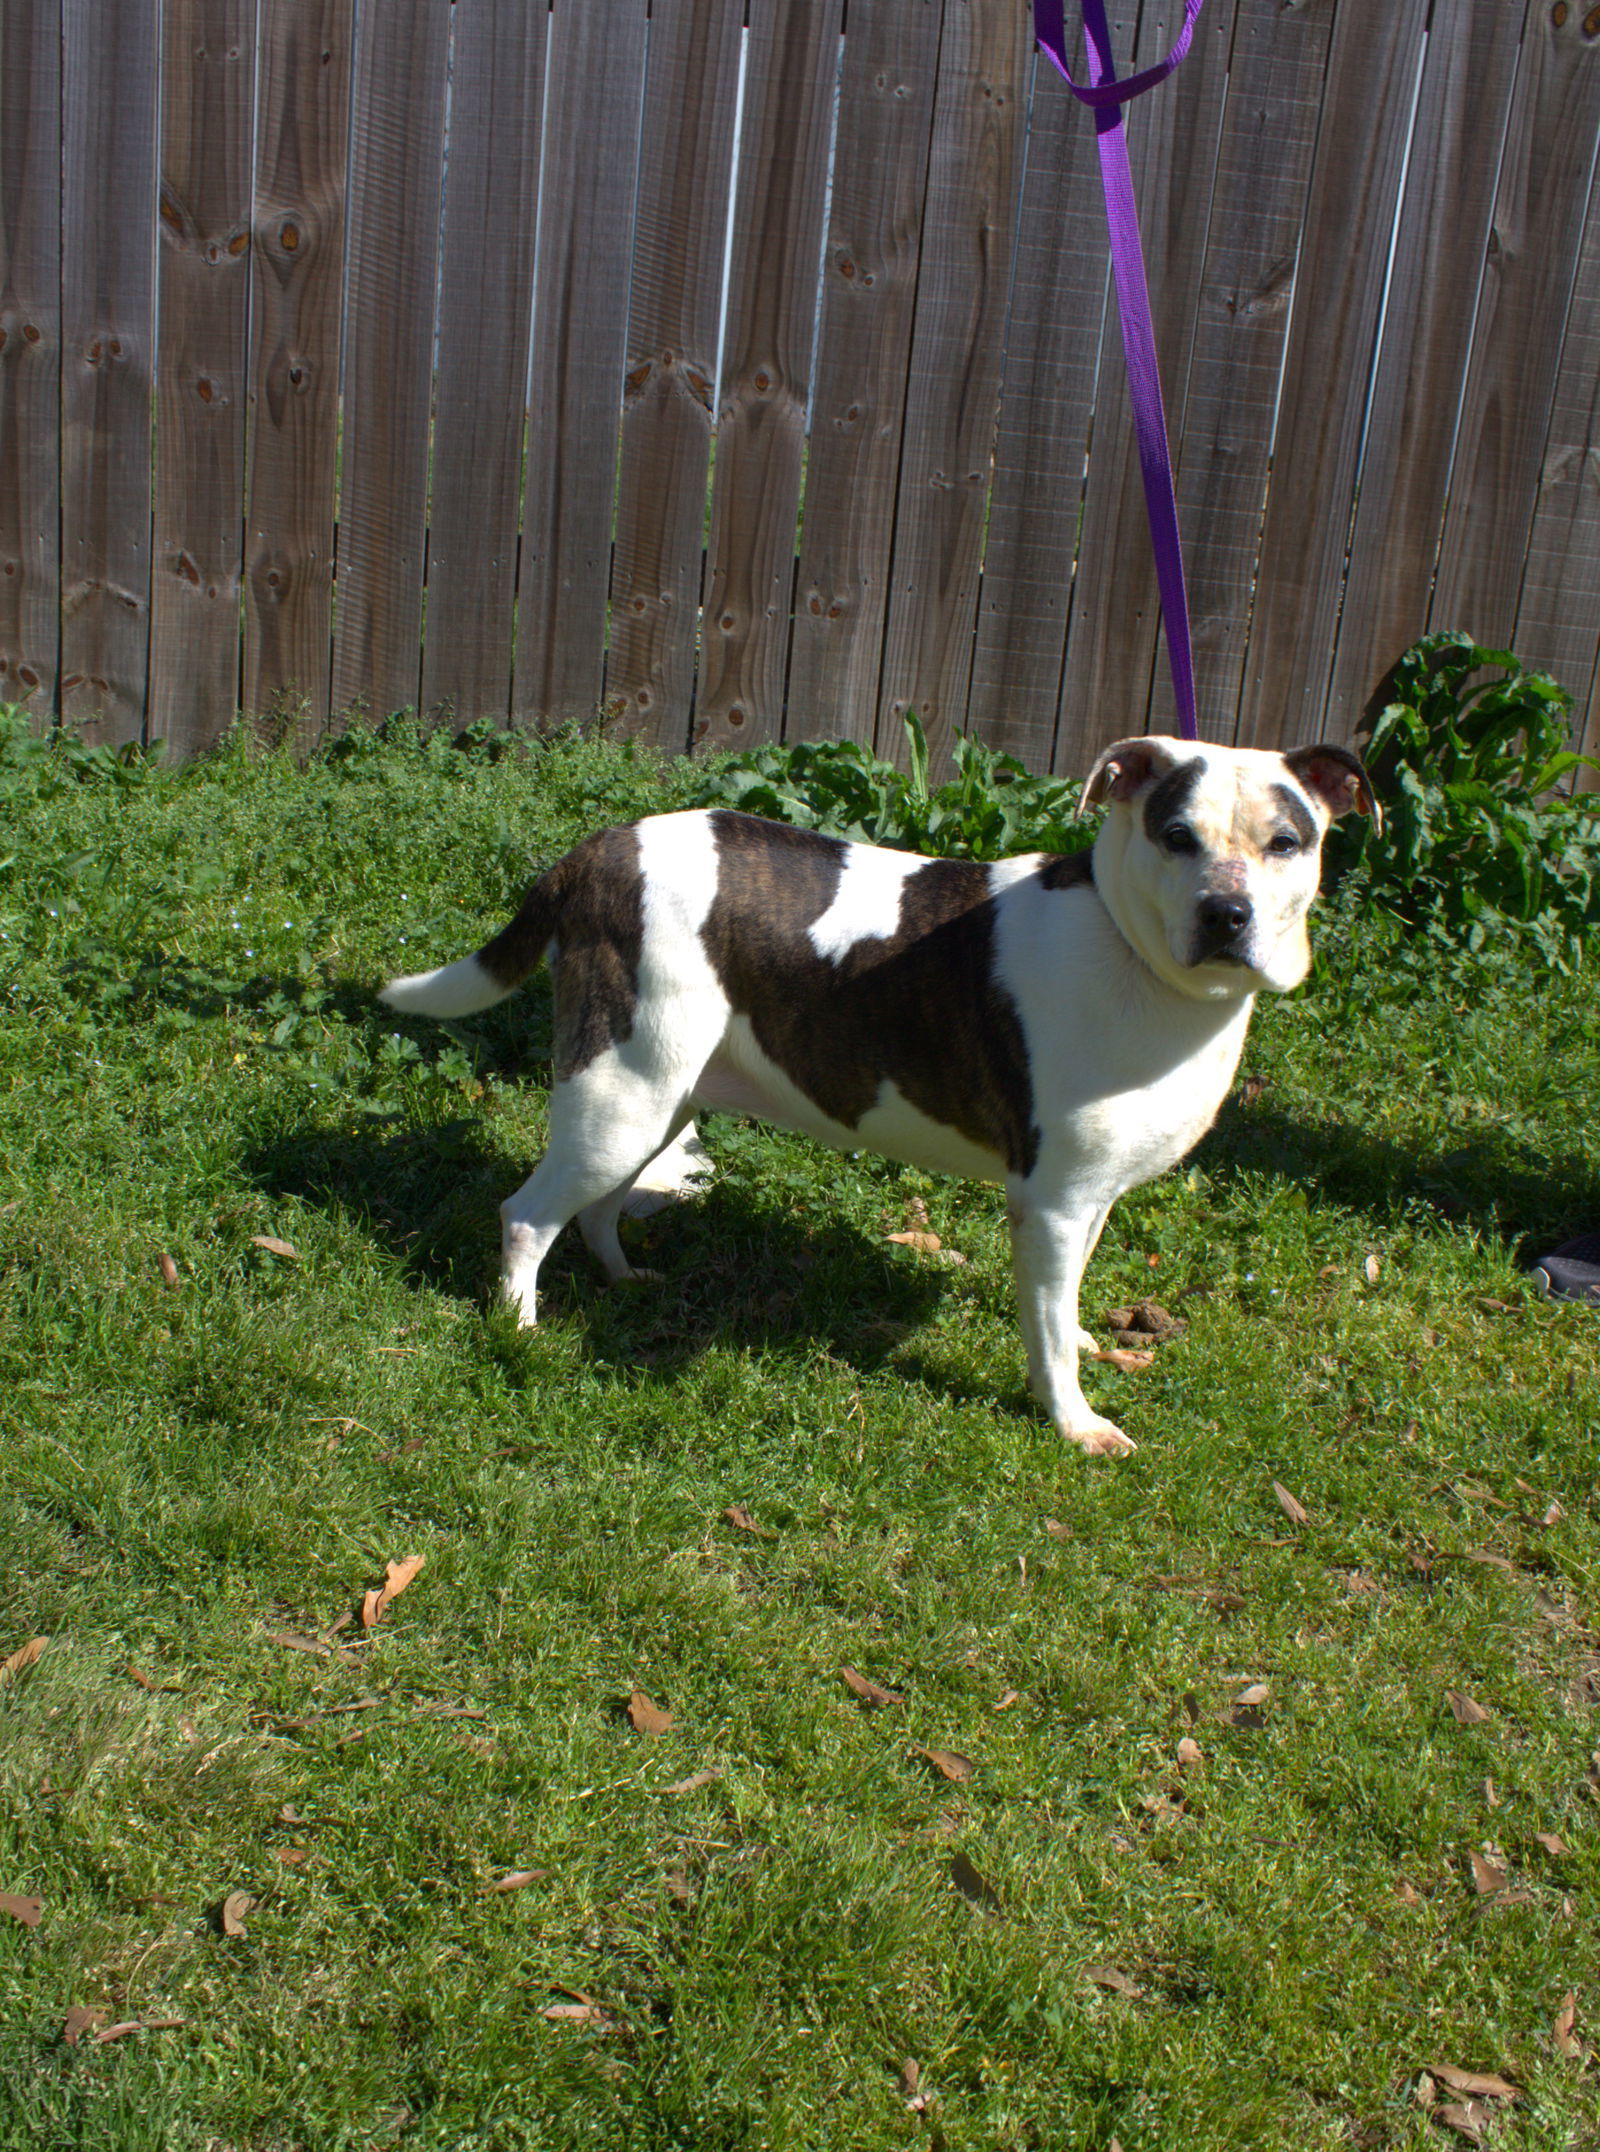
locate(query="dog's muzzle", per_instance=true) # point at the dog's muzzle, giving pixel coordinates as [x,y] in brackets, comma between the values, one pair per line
[1222,924]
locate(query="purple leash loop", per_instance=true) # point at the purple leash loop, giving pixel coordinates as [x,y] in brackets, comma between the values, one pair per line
[1106,96]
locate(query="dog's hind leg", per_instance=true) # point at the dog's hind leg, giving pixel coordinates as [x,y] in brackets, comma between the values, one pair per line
[605,1126]
[1050,1248]
[645,1192]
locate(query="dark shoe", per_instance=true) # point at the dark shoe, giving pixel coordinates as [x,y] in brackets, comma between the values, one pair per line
[1573,1272]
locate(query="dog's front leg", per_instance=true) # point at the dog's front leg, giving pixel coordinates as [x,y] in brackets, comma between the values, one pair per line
[1050,1247]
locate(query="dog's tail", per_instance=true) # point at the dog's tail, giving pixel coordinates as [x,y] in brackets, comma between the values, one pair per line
[498,969]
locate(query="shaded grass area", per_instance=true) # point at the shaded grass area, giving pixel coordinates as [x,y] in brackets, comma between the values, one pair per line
[190,1060]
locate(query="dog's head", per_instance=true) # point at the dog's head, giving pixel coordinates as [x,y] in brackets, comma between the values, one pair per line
[1210,856]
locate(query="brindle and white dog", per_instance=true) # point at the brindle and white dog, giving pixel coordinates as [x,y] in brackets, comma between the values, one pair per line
[1067,1027]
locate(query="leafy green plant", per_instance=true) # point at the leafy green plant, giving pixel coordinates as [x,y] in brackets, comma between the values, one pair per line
[1477,844]
[990,807]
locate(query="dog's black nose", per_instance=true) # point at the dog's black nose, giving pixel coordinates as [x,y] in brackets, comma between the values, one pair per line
[1221,919]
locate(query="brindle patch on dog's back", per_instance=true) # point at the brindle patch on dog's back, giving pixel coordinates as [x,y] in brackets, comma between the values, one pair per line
[918,1008]
[597,895]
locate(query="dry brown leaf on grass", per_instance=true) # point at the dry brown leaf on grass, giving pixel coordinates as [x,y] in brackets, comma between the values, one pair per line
[581,2010]
[80,2019]
[517,1879]
[740,1518]
[1465,1709]
[694,1781]
[1564,2031]
[1488,1875]
[398,1575]
[1290,1507]
[125,2026]
[1114,1980]
[1372,1269]
[924,1243]
[870,1692]
[234,1910]
[1190,1756]
[910,2084]
[286,1248]
[1552,1842]
[949,1763]
[1057,1529]
[1011,1696]
[1477,2084]
[21,1659]
[1130,1363]
[648,1717]
[28,1910]
[1465,2117]
[169,1269]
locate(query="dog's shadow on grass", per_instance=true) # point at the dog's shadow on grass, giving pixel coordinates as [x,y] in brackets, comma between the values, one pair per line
[1530,1198]
[736,1266]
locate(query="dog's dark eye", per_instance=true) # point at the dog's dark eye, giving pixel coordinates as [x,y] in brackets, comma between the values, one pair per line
[1284,844]
[1179,837]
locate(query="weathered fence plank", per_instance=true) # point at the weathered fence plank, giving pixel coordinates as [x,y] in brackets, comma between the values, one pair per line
[948,444]
[109,66]
[207,106]
[1527,287]
[591,162]
[1338,290]
[1053,355]
[485,288]
[1173,142]
[1558,617]
[691,86]
[791,67]
[1222,419]
[302,152]
[30,353]
[1444,229]
[396,171]
[869,291]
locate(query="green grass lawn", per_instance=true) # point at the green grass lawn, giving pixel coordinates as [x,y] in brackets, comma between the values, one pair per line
[777,1922]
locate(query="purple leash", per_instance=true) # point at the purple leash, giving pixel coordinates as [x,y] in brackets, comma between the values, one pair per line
[1106,96]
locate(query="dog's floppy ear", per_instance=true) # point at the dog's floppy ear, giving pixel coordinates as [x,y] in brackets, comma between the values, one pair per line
[1337,778]
[1124,770]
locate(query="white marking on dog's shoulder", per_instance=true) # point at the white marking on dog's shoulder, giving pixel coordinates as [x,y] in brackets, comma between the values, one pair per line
[1005,874]
[678,857]
[866,905]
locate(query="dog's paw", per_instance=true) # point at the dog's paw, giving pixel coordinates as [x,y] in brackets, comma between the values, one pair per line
[1099,1438]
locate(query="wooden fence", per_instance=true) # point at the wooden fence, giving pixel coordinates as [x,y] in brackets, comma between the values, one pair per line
[744,367]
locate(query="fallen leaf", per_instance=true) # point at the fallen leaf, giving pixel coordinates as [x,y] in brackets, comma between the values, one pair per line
[169,1269]
[870,1692]
[1011,1696]
[1371,1270]
[274,1246]
[910,2079]
[1564,2030]
[80,2019]
[1491,1798]
[1478,2084]
[1492,1561]
[1253,1087]
[517,1879]
[693,1782]
[1466,1711]
[293,1856]
[1129,1362]
[1057,1529]
[28,1910]
[291,1640]
[579,2014]
[1465,2118]
[1494,1307]
[924,1243]
[1488,1877]
[1257,1693]
[1406,1895]
[19,1660]
[971,1884]
[647,1717]
[1108,1976]
[678,1887]
[233,1912]
[1190,1756]
[1290,1507]
[1552,1843]
[1553,1514]
[738,1516]
[399,1575]
[949,1763]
